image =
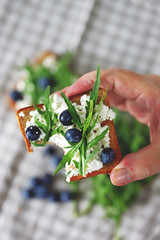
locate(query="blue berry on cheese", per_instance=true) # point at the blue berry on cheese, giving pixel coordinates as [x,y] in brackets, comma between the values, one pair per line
[33,133]
[107,155]
[66,118]
[73,135]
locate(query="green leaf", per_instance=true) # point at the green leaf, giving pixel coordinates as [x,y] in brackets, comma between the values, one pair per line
[39,144]
[88,158]
[89,118]
[41,125]
[39,110]
[46,97]
[94,92]
[98,112]
[67,158]
[68,173]
[98,138]
[76,163]
[57,130]
[80,161]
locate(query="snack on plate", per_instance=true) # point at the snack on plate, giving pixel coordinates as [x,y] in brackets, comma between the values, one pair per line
[47,70]
[82,125]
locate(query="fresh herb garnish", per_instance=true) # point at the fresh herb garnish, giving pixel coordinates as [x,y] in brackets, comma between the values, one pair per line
[49,127]
[92,114]
[67,157]
[86,128]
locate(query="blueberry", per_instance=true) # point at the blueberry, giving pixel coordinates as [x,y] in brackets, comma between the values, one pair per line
[66,196]
[50,150]
[107,155]
[40,191]
[56,159]
[15,95]
[35,181]
[27,193]
[47,179]
[32,133]
[44,82]
[53,196]
[66,118]
[73,135]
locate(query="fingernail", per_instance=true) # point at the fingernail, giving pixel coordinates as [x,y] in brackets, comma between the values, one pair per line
[120,176]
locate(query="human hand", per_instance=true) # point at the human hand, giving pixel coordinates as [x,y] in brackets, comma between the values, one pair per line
[140,96]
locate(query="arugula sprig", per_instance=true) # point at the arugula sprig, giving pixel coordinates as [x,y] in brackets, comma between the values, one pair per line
[86,128]
[49,127]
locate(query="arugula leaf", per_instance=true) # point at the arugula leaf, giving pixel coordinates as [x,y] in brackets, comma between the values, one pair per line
[39,144]
[76,163]
[89,118]
[67,157]
[98,112]
[94,92]
[68,173]
[80,161]
[39,110]
[72,110]
[97,138]
[91,155]
[41,125]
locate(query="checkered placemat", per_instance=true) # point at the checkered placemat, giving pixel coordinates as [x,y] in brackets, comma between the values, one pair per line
[112,33]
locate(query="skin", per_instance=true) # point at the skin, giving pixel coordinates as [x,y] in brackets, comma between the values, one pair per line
[140,96]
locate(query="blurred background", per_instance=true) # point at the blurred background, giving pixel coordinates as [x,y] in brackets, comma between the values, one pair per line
[123,34]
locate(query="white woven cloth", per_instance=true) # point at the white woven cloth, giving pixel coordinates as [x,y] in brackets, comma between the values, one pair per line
[110,33]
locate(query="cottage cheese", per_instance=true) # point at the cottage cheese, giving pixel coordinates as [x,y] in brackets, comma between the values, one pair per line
[58,106]
[21,114]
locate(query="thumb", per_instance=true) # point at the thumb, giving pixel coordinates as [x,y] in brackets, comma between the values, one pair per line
[136,166]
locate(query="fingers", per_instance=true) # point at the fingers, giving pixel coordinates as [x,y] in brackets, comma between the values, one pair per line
[136,166]
[122,82]
[84,84]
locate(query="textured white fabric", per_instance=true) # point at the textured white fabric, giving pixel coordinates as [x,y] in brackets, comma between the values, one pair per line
[110,33]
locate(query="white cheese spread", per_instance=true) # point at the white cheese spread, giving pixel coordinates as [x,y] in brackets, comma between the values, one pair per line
[21,114]
[58,106]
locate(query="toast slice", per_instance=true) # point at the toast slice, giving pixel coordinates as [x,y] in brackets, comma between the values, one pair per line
[23,115]
[39,60]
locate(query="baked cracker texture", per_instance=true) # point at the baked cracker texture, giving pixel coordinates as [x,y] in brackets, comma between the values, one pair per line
[107,168]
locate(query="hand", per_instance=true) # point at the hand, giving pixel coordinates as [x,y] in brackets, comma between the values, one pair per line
[140,96]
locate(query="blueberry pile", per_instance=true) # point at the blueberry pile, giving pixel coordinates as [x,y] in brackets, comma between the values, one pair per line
[41,188]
